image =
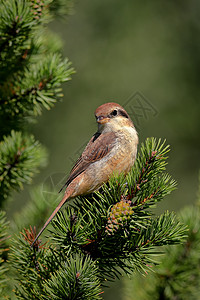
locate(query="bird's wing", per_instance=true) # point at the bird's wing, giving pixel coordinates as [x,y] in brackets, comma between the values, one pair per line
[98,147]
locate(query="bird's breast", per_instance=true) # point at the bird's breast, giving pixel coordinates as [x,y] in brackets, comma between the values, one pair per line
[120,159]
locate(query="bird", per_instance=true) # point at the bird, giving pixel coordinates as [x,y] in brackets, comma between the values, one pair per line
[111,150]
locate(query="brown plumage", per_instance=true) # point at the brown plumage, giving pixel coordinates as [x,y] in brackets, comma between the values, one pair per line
[111,150]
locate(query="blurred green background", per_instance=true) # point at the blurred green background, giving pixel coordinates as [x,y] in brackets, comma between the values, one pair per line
[144,55]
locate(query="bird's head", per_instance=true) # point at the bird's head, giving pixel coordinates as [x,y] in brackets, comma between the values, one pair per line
[112,116]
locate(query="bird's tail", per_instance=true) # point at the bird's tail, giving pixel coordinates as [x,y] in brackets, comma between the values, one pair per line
[62,202]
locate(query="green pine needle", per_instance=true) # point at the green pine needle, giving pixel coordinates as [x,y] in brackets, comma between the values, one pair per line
[77,278]
[20,158]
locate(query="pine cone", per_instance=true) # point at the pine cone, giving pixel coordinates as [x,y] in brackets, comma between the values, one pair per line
[118,216]
[37,8]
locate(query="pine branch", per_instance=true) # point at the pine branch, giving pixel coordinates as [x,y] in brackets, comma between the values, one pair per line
[51,276]
[39,87]
[19,23]
[31,69]
[31,267]
[20,157]
[77,278]
[17,27]
[150,164]
[114,228]
[178,274]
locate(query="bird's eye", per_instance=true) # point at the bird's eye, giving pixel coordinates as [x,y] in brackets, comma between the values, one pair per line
[123,113]
[114,113]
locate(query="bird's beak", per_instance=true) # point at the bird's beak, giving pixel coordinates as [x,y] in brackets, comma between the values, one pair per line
[102,120]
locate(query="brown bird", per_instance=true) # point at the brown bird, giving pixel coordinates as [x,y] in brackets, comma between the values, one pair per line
[112,149]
